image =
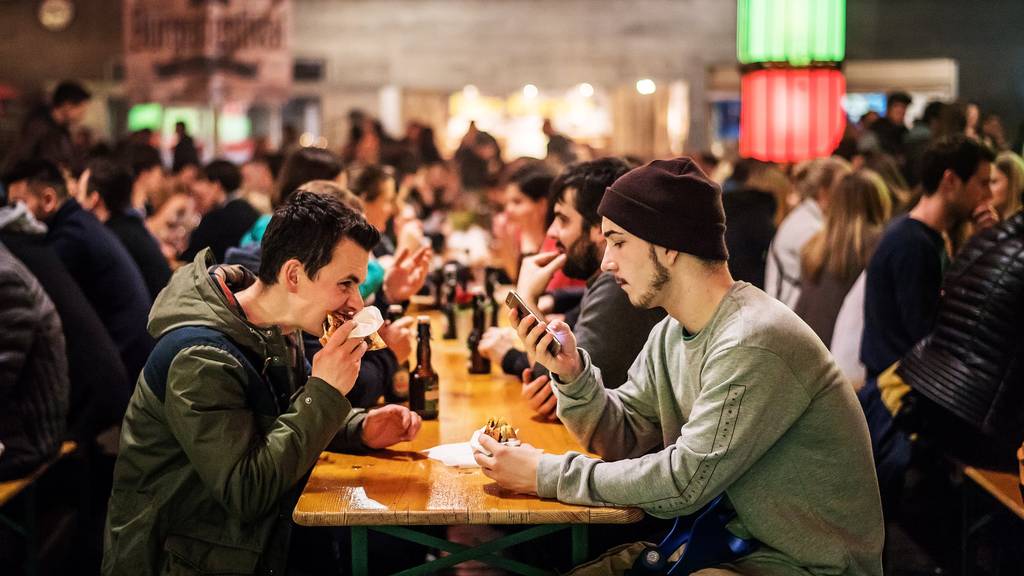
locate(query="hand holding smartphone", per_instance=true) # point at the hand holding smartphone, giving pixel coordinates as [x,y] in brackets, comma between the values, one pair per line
[513,301]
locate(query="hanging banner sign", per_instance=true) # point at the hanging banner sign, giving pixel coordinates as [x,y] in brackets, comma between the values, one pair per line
[207,51]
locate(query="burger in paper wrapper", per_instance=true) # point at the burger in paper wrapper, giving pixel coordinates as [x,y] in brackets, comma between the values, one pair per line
[498,429]
[368,321]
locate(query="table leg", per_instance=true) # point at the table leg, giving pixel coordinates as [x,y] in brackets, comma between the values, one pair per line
[360,561]
[580,544]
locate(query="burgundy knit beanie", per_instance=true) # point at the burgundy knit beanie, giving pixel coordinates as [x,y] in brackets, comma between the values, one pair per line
[671,203]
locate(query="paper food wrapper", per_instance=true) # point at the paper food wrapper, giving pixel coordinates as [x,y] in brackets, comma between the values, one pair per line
[459,455]
[368,320]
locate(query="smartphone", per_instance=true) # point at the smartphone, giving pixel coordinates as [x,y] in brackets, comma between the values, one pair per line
[514,302]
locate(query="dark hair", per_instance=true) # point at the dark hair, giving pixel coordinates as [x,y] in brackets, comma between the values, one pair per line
[952,119]
[898,98]
[37,173]
[224,173]
[534,180]
[590,180]
[143,157]
[747,167]
[113,181]
[71,92]
[304,165]
[957,153]
[429,153]
[367,185]
[308,228]
[933,111]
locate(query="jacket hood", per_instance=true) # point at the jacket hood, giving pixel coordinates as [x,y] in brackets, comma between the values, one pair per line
[194,297]
[19,220]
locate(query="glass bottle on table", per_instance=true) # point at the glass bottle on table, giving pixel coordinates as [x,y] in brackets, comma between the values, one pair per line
[424,391]
[478,363]
[400,380]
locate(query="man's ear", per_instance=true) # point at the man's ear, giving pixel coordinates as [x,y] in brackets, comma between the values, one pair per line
[291,271]
[670,256]
[49,201]
[950,179]
[596,236]
[90,200]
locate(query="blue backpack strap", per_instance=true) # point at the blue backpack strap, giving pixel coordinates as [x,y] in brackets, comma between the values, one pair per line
[708,543]
[168,346]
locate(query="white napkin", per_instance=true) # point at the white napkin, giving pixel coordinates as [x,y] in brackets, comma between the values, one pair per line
[458,455]
[368,320]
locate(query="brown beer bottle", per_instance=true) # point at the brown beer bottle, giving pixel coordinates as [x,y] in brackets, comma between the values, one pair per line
[423,382]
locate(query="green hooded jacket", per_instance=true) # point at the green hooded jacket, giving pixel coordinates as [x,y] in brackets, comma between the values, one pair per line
[211,465]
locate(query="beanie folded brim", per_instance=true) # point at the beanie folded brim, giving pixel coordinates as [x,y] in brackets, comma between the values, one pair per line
[703,239]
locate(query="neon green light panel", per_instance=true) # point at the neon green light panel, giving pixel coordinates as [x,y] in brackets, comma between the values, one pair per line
[795,32]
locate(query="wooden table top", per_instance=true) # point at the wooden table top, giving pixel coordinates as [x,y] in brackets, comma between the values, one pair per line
[11,488]
[1004,486]
[401,486]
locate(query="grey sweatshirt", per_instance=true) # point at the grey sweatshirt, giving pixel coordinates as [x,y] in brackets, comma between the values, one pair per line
[752,406]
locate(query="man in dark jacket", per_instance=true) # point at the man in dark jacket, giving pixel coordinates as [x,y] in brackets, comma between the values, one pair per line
[99,386]
[226,422]
[967,376]
[904,277]
[904,283]
[46,134]
[891,130]
[105,189]
[92,254]
[33,372]
[225,217]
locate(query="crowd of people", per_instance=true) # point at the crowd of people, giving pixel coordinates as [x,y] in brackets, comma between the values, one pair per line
[861,308]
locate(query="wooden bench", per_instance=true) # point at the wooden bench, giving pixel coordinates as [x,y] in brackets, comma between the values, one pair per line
[1004,487]
[26,528]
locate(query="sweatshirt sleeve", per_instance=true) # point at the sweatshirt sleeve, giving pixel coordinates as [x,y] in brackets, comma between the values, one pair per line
[246,470]
[616,424]
[749,399]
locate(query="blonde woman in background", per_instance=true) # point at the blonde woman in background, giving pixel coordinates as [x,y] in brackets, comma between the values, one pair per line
[815,181]
[1007,184]
[833,258]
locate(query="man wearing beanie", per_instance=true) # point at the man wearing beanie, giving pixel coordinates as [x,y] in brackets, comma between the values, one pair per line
[742,397]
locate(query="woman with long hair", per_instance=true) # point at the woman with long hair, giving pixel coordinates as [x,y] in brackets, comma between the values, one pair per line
[832,260]
[814,181]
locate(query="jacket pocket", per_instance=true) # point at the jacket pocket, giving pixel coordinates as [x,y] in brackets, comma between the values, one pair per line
[188,556]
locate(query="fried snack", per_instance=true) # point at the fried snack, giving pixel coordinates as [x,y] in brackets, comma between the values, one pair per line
[331,323]
[334,321]
[500,430]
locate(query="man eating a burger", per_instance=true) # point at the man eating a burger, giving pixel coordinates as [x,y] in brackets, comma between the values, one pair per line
[226,422]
